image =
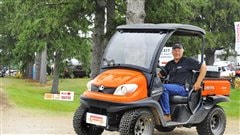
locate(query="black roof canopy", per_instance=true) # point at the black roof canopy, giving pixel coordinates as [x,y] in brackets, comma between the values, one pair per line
[180,29]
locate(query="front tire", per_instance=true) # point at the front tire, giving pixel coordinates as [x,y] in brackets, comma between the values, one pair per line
[137,122]
[81,127]
[214,123]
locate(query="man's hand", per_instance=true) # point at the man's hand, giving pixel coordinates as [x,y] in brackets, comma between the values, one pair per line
[201,75]
[159,75]
[197,86]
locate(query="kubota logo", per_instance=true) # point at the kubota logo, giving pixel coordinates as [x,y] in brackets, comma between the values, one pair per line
[224,88]
[101,87]
[209,87]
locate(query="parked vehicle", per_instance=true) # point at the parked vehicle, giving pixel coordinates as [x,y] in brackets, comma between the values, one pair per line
[74,71]
[226,72]
[237,72]
[2,73]
[124,97]
[226,68]
[223,71]
[11,72]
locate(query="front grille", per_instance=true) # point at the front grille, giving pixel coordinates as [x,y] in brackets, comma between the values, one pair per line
[97,110]
[108,90]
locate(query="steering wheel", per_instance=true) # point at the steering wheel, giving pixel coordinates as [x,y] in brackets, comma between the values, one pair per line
[162,71]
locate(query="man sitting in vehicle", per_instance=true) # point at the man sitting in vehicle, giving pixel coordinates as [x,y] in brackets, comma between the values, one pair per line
[179,70]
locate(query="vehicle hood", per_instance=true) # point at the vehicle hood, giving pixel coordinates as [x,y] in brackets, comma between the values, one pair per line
[115,77]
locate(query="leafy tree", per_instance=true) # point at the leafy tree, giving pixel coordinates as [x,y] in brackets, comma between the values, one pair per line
[168,11]
[52,25]
[7,39]
[216,17]
[114,10]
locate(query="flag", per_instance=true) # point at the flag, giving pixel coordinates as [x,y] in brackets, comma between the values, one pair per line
[237,37]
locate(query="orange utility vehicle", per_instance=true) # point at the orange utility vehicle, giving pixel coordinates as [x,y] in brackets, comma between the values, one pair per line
[125,96]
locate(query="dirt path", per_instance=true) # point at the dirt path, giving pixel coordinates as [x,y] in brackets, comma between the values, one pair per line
[233,128]
[16,121]
[27,122]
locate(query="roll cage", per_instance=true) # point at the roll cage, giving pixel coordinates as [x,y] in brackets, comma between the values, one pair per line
[167,30]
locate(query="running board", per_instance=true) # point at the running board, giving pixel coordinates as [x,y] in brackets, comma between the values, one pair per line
[173,123]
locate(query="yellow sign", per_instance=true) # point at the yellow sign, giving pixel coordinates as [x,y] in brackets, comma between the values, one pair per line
[64,95]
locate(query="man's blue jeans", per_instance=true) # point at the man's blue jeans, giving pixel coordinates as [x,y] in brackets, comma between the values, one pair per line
[170,90]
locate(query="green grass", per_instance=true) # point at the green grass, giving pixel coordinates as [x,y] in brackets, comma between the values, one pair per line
[232,108]
[30,95]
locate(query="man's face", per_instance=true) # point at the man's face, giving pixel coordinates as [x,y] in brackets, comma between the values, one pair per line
[177,53]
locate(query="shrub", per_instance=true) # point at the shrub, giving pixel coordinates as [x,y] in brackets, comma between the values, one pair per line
[18,75]
[237,83]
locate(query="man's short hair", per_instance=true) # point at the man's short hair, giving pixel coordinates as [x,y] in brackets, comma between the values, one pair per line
[177,45]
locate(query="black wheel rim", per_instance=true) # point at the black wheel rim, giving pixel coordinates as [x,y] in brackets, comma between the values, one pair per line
[217,123]
[143,126]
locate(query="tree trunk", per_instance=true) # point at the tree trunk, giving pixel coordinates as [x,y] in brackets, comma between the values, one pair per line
[98,37]
[209,56]
[110,26]
[55,83]
[43,69]
[30,70]
[37,67]
[135,11]
[110,20]
[9,69]
[25,70]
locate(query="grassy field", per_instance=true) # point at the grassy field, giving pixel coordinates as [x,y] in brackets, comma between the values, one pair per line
[232,108]
[29,94]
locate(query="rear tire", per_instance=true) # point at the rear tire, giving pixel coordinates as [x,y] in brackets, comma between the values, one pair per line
[81,127]
[214,123]
[137,122]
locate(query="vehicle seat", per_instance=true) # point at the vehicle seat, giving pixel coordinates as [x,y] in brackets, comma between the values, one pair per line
[178,99]
[185,99]
[193,97]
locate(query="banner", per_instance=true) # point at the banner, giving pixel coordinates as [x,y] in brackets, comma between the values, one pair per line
[165,56]
[237,37]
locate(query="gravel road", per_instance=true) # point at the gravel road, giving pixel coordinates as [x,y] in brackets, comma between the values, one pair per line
[17,121]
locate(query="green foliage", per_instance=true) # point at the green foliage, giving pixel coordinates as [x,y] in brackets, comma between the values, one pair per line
[120,11]
[168,11]
[165,11]
[28,26]
[55,24]
[216,17]
[7,40]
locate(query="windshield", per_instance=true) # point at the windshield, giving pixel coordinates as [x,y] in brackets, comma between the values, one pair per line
[135,49]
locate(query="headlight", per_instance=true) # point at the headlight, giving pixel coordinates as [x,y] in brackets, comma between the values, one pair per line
[125,88]
[89,85]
